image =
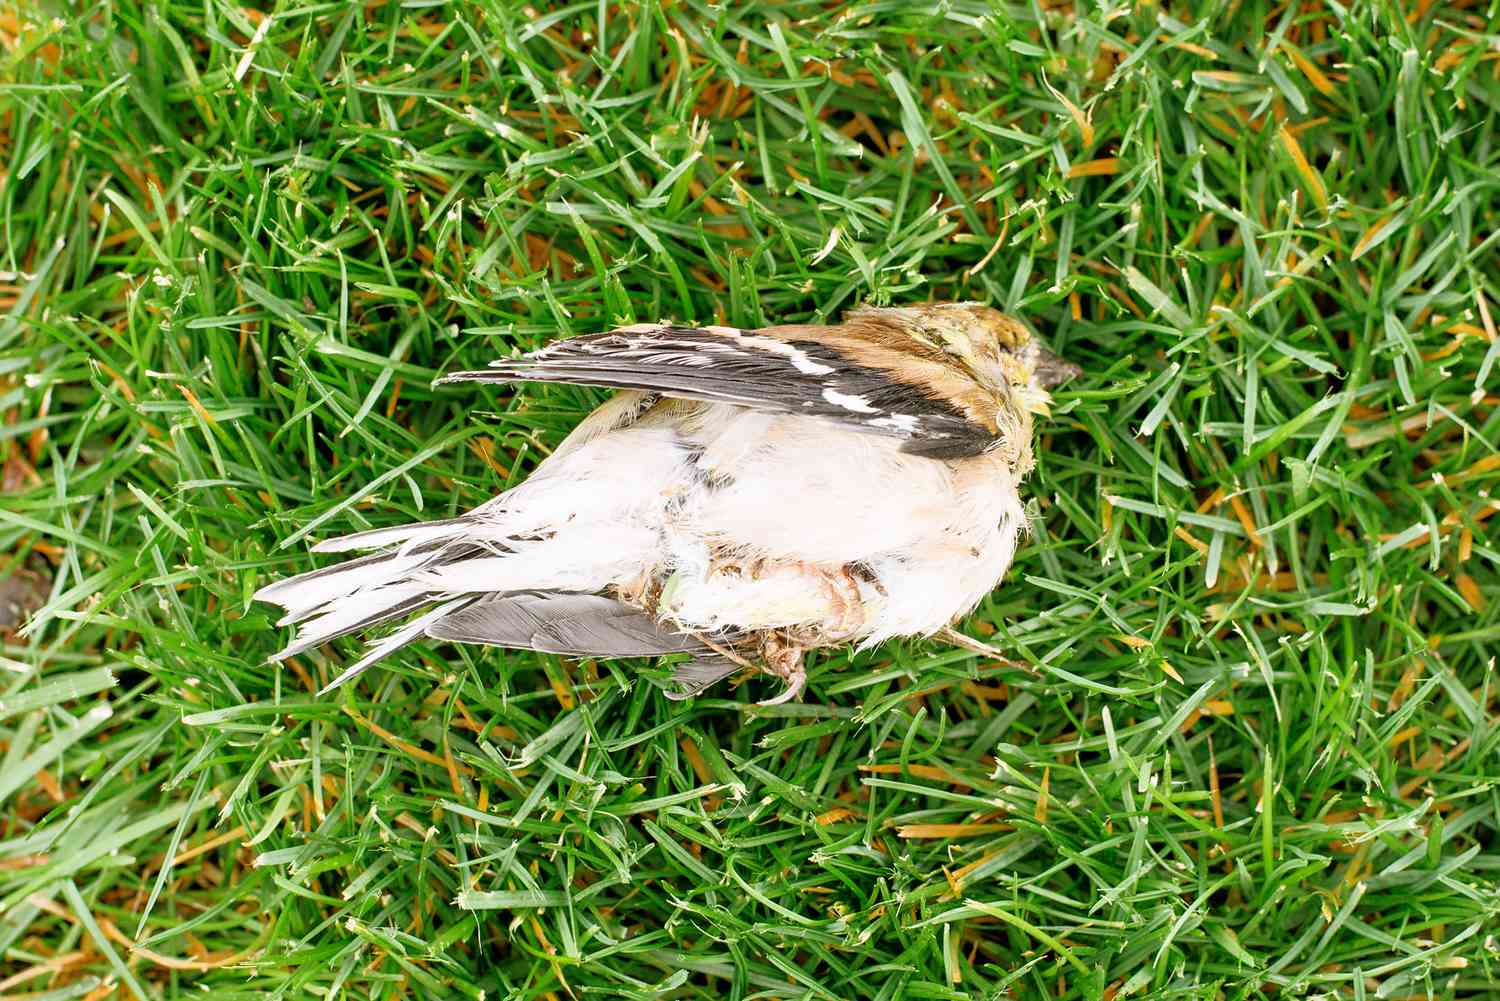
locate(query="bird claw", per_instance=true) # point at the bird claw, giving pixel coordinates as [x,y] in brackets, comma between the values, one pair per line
[794,687]
[783,658]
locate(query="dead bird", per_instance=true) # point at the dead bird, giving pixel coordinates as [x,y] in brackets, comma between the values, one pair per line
[748,495]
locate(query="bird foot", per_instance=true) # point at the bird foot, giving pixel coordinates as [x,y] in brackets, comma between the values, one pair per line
[783,658]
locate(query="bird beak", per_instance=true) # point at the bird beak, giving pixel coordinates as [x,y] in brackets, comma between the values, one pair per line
[1051,371]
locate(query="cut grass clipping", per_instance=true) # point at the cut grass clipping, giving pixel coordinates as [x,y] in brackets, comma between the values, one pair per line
[1255,754]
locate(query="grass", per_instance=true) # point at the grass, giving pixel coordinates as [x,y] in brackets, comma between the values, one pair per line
[1256,754]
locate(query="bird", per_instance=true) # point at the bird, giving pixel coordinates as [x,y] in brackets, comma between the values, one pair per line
[746,496]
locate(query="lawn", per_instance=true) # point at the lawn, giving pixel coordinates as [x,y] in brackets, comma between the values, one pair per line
[1253,751]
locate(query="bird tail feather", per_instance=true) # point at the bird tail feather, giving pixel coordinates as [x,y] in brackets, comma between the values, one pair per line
[417,578]
[373,590]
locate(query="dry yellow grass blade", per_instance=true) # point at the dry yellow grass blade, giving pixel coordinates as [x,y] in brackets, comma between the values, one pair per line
[1102,167]
[1312,181]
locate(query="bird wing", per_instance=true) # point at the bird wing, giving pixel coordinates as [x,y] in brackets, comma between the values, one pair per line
[563,623]
[582,625]
[829,373]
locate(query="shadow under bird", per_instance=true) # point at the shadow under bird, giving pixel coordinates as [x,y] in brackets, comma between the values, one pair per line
[747,496]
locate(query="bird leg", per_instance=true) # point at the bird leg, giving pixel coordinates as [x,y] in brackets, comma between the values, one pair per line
[643,592]
[972,645]
[845,603]
[779,656]
[726,652]
[781,650]
[848,603]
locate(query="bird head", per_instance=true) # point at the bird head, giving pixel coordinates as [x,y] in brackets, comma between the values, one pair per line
[999,350]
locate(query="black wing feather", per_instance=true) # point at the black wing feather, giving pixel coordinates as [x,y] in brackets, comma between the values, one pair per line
[750,369]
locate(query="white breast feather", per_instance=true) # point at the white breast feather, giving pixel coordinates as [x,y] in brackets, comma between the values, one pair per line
[814,492]
[938,536]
